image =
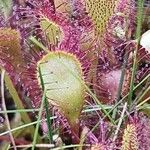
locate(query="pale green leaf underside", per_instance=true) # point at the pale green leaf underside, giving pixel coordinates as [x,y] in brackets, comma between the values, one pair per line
[6,7]
[63,88]
[52,31]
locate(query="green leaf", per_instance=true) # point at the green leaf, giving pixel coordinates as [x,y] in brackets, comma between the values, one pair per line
[64,90]
[6,7]
[51,31]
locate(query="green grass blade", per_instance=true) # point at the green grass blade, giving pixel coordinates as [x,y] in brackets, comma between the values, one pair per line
[17,100]
[38,121]
[121,83]
[4,107]
[36,42]
[49,124]
[138,35]
[47,110]
[19,111]
[24,126]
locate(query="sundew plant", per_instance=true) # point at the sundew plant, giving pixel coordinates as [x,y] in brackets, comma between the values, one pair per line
[75,74]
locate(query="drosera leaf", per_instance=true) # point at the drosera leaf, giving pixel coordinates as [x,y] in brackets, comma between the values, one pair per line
[77,78]
[51,31]
[130,140]
[64,90]
[11,60]
[10,38]
[113,17]
[100,11]
[10,50]
[6,7]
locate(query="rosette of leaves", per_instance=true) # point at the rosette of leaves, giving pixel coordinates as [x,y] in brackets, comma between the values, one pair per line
[61,72]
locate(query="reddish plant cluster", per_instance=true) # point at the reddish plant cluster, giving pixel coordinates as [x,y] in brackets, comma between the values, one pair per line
[96,48]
